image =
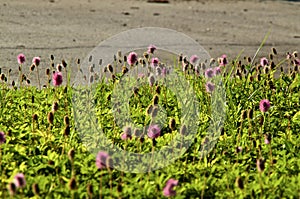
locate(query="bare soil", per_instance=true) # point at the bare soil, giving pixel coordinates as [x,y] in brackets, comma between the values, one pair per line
[71,29]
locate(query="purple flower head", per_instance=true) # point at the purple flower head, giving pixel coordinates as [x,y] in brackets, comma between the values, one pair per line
[267,138]
[2,138]
[223,60]
[102,160]
[19,180]
[153,131]
[209,73]
[267,141]
[36,61]
[164,71]
[168,190]
[264,105]
[209,87]
[154,62]
[158,70]
[141,75]
[57,78]
[264,61]
[126,136]
[21,58]
[151,49]
[194,59]
[151,80]
[132,58]
[217,71]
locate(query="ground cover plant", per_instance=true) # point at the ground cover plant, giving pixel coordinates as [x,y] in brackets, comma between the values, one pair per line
[256,154]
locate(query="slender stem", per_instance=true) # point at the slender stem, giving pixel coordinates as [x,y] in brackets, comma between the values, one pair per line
[38,76]
[100,190]
[203,189]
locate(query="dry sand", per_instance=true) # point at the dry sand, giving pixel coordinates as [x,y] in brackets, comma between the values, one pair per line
[71,29]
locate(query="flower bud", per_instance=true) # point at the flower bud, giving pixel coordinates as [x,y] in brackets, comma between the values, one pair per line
[50,117]
[71,154]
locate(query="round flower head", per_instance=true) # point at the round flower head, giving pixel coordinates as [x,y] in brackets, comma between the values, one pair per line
[154,62]
[151,49]
[209,87]
[158,71]
[21,58]
[57,78]
[264,61]
[153,131]
[194,59]
[36,61]
[264,105]
[19,180]
[209,73]
[141,75]
[2,138]
[132,58]
[217,70]
[223,60]
[168,190]
[125,136]
[164,71]
[101,160]
[268,139]
[151,80]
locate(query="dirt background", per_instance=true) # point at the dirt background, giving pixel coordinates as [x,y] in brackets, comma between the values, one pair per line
[71,29]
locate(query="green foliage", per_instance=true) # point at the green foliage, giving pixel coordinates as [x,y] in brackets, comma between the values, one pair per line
[40,149]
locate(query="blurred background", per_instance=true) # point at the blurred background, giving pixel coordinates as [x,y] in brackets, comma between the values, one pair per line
[71,29]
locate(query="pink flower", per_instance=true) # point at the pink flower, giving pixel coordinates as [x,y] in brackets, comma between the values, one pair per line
[164,71]
[125,136]
[141,75]
[217,70]
[57,78]
[151,80]
[264,61]
[132,58]
[102,160]
[194,59]
[264,105]
[154,62]
[168,190]
[268,138]
[36,61]
[2,138]
[21,58]
[223,60]
[209,87]
[151,49]
[19,180]
[153,131]
[209,73]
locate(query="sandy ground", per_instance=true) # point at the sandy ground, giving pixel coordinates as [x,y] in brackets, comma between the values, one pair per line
[71,29]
